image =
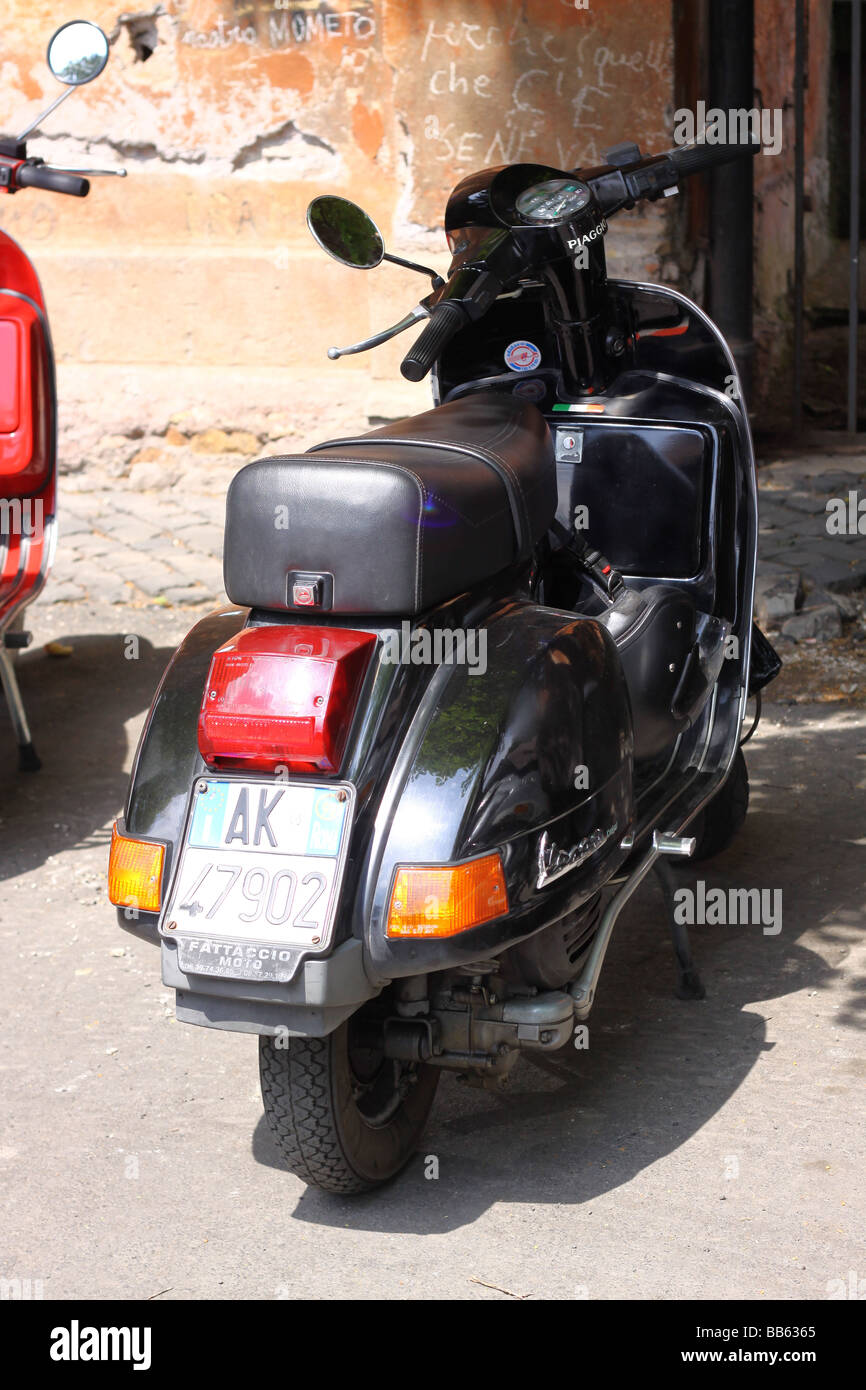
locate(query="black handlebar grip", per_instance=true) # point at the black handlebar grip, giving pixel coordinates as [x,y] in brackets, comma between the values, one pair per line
[446,320]
[54,180]
[694,159]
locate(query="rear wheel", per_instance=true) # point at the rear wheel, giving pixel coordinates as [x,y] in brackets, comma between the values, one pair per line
[718,823]
[344,1117]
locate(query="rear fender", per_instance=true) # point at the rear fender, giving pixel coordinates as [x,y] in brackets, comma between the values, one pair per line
[167,759]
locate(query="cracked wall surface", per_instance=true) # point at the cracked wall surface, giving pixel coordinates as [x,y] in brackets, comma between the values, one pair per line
[243,111]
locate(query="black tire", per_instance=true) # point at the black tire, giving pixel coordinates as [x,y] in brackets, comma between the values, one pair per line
[328,1134]
[719,822]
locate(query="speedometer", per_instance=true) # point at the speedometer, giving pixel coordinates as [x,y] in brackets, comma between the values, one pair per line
[557,200]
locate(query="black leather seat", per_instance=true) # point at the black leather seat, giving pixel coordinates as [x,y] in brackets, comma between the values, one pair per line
[396,520]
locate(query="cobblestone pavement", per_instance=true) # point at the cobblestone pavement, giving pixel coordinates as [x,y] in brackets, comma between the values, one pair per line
[123,547]
[145,547]
[144,474]
[812,546]
[148,529]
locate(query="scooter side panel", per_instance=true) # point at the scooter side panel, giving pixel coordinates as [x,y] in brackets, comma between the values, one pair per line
[17,272]
[28,434]
[27,406]
[538,744]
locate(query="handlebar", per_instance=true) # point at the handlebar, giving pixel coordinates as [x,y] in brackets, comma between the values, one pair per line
[54,180]
[622,183]
[628,181]
[446,320]
[694,159]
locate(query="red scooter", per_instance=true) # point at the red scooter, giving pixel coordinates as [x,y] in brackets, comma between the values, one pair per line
[77,53]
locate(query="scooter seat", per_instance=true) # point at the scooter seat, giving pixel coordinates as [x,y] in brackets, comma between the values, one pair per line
[397,520]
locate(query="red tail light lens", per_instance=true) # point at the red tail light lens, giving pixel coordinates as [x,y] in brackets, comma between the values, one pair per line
[283,696]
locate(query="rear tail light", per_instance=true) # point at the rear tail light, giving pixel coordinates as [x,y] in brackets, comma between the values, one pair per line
[283,696]
[434,901]
[135,873]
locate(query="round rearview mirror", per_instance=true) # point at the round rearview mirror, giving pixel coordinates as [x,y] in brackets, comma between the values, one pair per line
[346,232]
[78,52]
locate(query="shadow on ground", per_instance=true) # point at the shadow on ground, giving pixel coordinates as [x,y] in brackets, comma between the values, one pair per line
[579,1124]
[576,1124]
[78,707]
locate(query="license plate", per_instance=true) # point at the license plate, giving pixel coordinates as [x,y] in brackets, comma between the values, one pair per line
[259,876]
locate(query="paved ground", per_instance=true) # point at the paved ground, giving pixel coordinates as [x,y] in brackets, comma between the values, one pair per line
[713,1150]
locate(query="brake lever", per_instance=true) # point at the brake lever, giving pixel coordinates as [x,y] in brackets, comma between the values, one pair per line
[87,173]
[419,312]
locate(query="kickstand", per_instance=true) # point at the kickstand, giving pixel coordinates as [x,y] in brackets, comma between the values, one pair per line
[690,984]
[28,759]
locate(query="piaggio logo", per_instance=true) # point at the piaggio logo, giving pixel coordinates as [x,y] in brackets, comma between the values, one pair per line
[589,236]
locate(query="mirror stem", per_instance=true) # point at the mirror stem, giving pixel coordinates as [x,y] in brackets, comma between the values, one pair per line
[34,125]
[438,282]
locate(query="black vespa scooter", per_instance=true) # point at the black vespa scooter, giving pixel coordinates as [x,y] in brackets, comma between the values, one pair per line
[485,667]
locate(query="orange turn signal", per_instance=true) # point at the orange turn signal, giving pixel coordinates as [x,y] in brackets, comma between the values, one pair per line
[430,901]
[135,873]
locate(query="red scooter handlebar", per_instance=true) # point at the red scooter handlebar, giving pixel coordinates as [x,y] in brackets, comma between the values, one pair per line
[32,175]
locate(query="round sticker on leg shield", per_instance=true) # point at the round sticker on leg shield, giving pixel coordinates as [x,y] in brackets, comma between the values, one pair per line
[522,356]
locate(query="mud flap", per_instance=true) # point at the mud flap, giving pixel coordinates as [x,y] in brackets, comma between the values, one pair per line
[766,662]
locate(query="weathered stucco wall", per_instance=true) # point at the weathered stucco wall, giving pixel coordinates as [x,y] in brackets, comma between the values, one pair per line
[245,110]
[775,193]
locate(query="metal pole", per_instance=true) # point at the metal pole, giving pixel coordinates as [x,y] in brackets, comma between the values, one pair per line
[854,231]
[799,209]
[732,29]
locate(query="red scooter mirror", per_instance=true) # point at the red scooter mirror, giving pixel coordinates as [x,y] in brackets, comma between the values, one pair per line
[77,52]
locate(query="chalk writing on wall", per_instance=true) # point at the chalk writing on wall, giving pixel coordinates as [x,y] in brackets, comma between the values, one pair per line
[494,93]
[394,99]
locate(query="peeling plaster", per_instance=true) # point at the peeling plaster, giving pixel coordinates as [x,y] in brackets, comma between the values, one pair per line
[142,30]
[284,133]
[143,150]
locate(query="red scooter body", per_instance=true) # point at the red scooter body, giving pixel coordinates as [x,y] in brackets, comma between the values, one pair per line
[28,462]
[27,452]
[28,403]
